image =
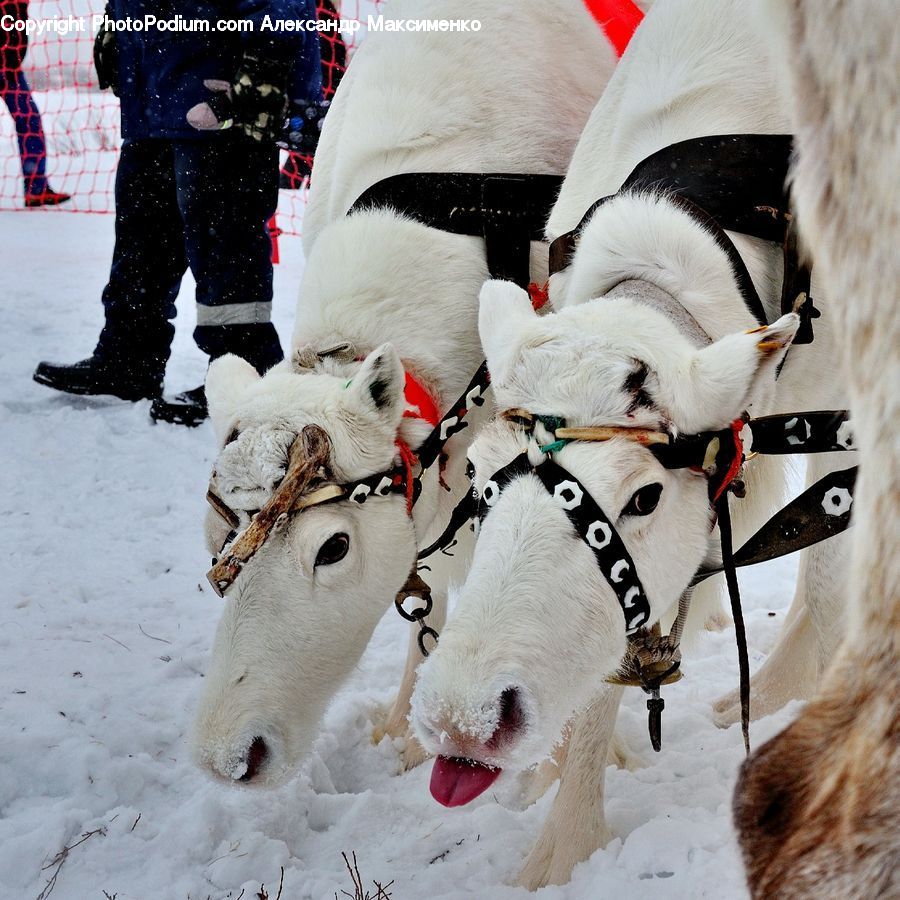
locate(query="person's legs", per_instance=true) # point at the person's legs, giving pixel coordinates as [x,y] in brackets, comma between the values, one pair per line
[148,260]
[227,192]
[139,300]
[29,134]
[29,131]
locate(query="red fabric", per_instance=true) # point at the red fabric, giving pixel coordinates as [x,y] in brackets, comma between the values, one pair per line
[418,397]
[409,459]
[538,294]
[274,233]
[737,426]
[618,18]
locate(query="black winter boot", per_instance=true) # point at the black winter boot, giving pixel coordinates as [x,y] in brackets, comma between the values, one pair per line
[258,344]
[187,408]
[98,376]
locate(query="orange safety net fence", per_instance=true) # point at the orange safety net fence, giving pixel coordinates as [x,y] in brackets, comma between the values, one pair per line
[58,129]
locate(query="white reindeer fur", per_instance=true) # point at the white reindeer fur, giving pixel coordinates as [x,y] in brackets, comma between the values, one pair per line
[523,619]
[510,98]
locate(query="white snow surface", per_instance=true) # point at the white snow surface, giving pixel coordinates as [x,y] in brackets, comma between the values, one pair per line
[105,631]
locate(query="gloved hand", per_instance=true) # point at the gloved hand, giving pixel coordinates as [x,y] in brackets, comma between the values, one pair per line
[304,126]
[255,100]
[106,59]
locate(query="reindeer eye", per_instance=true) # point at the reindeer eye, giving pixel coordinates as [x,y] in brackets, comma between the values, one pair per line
[333,550]
[644,500]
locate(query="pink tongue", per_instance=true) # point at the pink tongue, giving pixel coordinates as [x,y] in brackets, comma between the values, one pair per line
[455,781]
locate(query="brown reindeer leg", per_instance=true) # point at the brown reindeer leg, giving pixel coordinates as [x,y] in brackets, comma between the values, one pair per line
[818,807]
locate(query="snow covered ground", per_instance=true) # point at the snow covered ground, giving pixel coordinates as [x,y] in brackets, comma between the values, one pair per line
[105,626]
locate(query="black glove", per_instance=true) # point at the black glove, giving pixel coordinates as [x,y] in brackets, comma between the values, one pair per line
[255,100]
[304,126]
[106,59]
[258,96]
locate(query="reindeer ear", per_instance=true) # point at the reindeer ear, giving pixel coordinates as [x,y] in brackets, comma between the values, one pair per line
[226,380]
[377,388]
[503,319]
[724,378]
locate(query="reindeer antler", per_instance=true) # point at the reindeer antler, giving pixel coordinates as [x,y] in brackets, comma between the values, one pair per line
[308,454]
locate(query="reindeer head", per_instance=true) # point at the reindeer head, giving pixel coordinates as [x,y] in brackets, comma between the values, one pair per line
[536,626]
[300,614]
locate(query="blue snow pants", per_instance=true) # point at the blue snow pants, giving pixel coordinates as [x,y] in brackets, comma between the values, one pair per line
[29,131]
[203,204]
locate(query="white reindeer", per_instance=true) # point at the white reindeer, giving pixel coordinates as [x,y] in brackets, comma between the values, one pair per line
[511,97]
[818,807]
[651,332]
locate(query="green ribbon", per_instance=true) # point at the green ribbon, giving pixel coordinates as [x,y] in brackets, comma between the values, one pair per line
[551,423]
[556,446]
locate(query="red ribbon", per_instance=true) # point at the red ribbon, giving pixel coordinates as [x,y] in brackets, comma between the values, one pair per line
[618,18]
[424,408]
[538,294]
[409,459]
[737,426]
[419,398]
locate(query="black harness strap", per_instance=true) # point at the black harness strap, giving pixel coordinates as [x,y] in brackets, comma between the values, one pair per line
[452,421]
[463,513]
[715,452]
[735,182]
[822,431]
[737,613]
[508,210]
[591,524]
[800,524]
[599,533]
[738,179]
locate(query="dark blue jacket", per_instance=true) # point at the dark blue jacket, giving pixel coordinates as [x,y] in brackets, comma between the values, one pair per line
[161,73]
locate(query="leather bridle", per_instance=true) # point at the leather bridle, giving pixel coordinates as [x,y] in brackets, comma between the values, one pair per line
[404,478]
[820,512]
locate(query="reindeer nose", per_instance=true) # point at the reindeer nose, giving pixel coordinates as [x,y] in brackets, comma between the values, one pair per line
[474,766]
[464,732]
[510,721]
[257,754]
